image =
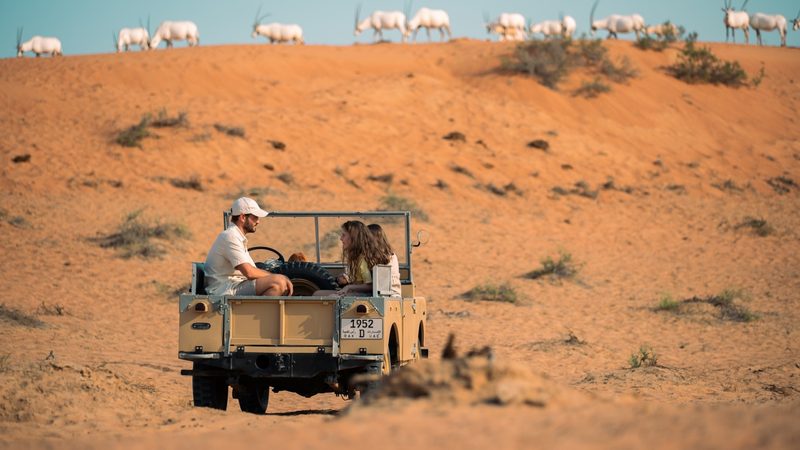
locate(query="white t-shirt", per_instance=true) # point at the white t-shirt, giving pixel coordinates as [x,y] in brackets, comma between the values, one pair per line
[228,251]
[396,292]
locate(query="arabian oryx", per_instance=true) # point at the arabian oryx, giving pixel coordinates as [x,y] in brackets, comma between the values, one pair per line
[508,26]
[38,45]
[616,23]
[564,27]
[736,19]
[665,29]
[379,21]
[132,36]
[175,31]
[765,22]
[430,18]
[277,32]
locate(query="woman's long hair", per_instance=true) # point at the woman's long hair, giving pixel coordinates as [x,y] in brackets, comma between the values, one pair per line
[382,248]
[362,246]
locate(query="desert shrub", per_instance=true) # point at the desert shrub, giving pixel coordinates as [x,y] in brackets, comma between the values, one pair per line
[728,308]
[660,43]
[230,131]
[132,136]
[782,185]
[667,303]
[562,268]
[192,183]
[393,202]
[645,357]
[285,177]
[163,120]
[4,362]
[503,293]
[699,65]
[462,170]
[552,60]
[548,61]
[133,237]
[591,89]
[618,73]
[18,317]
[759,226]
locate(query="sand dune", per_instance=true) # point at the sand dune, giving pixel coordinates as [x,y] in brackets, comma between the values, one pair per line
[648,188]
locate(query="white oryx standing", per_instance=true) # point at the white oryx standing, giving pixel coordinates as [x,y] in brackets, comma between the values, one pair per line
[564,27]
[508,26]
[170,31]
[765,22]
[568,26]
[133,36]
[379,21]
[616,23]
[38,45]
[277,32]
[428,19]
[736,19]
[548,28]
[663,29]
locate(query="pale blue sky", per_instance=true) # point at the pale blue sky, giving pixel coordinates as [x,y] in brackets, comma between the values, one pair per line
[85,26]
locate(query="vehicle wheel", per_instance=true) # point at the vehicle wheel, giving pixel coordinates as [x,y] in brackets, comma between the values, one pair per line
[210,392]
[253,397]
[307,277]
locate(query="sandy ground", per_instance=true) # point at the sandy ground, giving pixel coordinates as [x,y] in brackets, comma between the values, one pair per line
[95,364]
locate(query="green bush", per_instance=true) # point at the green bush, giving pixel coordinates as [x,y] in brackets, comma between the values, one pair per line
[504,293]
[699,65]
[550,61]
[132,136]
[393,202]
[591,89]
[646,357]
[564,267]
[133,237]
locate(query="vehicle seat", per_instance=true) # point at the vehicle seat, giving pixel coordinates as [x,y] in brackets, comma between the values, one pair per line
[198,278]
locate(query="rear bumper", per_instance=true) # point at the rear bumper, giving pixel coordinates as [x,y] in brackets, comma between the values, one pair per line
[275,365]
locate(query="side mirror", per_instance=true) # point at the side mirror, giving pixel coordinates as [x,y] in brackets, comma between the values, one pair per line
[422,238]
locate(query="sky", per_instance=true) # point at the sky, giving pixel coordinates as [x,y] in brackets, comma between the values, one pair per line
[86,26]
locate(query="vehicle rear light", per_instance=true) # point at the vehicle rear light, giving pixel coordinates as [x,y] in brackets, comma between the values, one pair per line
[361,309]
[201,307]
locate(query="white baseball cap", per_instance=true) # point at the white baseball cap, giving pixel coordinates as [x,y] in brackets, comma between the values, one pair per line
[246,205]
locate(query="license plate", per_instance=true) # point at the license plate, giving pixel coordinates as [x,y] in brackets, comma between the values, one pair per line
[362,328]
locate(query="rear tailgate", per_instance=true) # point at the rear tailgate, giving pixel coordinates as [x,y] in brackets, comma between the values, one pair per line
[281,325]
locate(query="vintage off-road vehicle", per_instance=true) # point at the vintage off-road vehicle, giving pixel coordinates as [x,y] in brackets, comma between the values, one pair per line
[303,344]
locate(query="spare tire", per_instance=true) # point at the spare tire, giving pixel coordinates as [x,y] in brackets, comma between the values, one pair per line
[307,277]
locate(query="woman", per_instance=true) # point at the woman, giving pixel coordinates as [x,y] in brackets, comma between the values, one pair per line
[359,256]
[385,253]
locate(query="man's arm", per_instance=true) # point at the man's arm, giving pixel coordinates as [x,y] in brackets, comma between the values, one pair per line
[252,272]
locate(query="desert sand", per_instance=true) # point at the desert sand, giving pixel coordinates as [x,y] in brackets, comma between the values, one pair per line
[89,354]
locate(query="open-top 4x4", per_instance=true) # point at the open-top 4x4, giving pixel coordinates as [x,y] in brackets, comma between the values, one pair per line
[303,344]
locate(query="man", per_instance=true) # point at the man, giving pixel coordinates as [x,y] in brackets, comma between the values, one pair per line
[229,268]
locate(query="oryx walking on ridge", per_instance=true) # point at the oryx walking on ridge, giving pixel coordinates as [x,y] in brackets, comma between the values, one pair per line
[616,23]
[796,22]
[736,19]
[430,18]
[126,37]
[277,32]
[379,21]
[549,28]
[765,22]
[170,31]
[508,26]
[38,45]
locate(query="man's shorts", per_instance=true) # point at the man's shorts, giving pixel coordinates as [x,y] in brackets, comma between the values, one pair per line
[246,287]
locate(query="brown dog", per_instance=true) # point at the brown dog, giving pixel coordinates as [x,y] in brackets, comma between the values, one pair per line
[299,257]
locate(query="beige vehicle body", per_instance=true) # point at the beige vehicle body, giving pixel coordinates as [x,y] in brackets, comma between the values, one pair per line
[304,344]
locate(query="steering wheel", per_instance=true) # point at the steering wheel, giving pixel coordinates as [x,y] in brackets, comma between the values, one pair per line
[280,257]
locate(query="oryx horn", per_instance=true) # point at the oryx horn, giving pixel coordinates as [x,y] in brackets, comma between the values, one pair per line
[19,36]
[358,12]
[591,14]
[743,4]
